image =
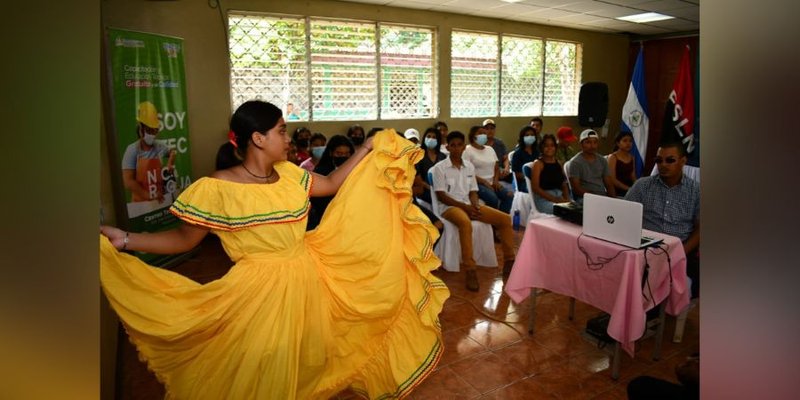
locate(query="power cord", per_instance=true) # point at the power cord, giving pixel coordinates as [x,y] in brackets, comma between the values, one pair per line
[601,261]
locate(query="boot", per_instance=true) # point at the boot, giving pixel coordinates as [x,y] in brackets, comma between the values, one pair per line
[472,280]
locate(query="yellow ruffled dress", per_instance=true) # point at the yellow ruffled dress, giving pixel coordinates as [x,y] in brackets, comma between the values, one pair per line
[301,315]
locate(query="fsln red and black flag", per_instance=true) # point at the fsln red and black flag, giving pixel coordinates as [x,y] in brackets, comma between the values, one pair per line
[679,113]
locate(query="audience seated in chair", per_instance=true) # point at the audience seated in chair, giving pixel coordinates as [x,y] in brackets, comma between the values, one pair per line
[588,171]
[525,152]
[622,164]
[421,188]
[549,185]
[485,161]
[456,189]
[504,162]
[671,203]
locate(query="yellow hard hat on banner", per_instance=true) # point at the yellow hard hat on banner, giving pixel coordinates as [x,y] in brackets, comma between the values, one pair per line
[148,114]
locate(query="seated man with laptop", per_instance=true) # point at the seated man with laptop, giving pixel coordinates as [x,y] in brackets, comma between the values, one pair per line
[671,204]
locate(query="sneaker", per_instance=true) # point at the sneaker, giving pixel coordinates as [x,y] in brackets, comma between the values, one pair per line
[472,280]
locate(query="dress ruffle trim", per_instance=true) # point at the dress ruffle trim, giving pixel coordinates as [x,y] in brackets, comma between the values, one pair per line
[418,320]
[200,204]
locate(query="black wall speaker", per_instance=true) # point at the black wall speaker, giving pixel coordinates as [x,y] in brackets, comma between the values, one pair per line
[593,104]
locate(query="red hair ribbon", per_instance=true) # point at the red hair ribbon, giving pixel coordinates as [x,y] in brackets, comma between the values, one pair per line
[232,139]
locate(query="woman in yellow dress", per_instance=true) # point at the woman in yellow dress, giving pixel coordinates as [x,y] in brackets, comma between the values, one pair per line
[301,315]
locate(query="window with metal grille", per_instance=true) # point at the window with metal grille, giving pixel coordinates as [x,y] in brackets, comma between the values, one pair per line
[474,74]
[268,61]
[521,77]
[562,78]
[407,72]
[331,70]
[535,76]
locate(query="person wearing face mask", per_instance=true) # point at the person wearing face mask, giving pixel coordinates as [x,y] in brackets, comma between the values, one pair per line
[525,152]
[430,144]
[142,161]
[487,171]
[316,149]
[336,152]
[302,138]
[356,135]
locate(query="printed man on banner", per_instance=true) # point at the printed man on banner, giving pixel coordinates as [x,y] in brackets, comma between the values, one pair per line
[142,170]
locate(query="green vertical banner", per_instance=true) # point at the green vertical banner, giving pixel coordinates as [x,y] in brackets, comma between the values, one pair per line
[151,126]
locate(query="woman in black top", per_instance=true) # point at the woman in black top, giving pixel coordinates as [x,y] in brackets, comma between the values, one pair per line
[430,143]
[524,153]
[547,177]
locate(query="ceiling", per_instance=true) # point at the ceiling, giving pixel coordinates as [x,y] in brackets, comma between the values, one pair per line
[590,15]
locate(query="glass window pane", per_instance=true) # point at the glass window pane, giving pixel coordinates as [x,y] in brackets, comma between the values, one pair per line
[562,78]
[474,75]
[344,71]
[522,73]
[407,73]
[268,61]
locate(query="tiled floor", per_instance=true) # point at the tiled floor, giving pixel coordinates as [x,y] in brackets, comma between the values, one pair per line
[485,358]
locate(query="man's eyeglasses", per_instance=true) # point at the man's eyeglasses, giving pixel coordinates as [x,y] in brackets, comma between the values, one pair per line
[668,160]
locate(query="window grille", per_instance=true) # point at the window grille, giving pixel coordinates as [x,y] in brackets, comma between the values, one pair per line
[407,72]
[268,61]
[562,78]
[332,70]
[537,77]
[474,74]
[344,74]
[522,72]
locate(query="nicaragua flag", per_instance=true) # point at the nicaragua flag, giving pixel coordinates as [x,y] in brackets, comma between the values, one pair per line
[634,114]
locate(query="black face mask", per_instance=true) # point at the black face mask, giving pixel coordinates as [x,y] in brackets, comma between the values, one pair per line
[302,143]
[357,140]
[338,161]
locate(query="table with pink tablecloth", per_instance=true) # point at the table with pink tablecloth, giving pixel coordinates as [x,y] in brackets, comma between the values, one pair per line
[550,257]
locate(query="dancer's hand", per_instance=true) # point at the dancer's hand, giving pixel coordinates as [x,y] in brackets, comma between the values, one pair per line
[115,235]
[368,143]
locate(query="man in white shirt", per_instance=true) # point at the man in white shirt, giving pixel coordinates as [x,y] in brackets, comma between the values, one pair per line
[456,189]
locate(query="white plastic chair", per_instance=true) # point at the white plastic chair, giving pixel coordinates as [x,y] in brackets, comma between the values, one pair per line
[526,171]
[449,247]
[566,175]
[522,202]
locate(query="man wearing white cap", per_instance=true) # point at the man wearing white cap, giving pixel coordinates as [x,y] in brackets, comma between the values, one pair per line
[141,163]
[588,171]
[412,135]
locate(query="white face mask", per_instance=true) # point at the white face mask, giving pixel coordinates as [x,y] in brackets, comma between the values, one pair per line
[529,140]
[149,139]
[481,139]
[431,142]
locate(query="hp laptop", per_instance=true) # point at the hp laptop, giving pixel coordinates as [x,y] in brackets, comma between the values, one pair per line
[615,220]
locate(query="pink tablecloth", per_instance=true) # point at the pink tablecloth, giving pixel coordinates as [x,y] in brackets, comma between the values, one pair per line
[549,257]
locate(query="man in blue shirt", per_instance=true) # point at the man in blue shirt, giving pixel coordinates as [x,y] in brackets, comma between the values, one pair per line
[671,203]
